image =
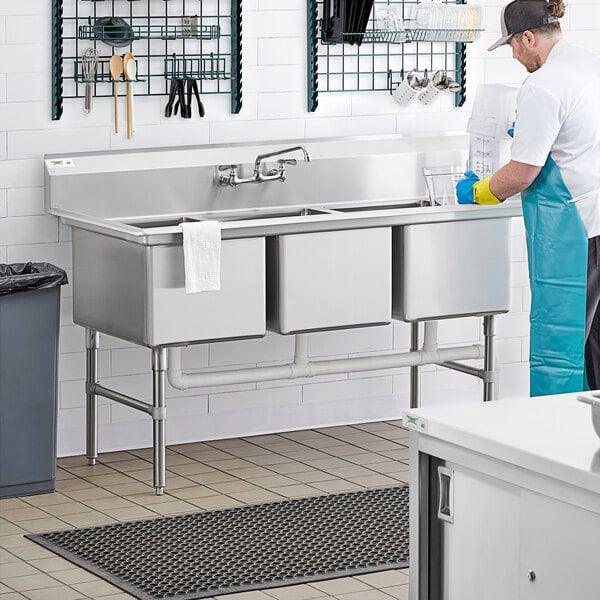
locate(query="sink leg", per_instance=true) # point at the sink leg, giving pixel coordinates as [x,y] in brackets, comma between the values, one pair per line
[159,366]
[414,386]
[489,360]
[92,343]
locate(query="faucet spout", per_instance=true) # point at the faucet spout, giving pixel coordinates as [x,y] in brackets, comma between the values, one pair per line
[233,179]
[261,157]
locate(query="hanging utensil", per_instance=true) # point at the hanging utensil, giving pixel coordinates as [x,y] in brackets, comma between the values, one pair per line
[114,31]
[131,76]
[438,83]
[89,60]
[192,87]
[127,58]
[116,70]
[173,96]
[363,19]
[452,86]
[350,20]
[334,21]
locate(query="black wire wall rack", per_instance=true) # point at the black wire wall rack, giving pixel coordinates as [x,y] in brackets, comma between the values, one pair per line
[170,39]
[384,57]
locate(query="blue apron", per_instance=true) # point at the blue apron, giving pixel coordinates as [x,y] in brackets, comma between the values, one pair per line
[557,250]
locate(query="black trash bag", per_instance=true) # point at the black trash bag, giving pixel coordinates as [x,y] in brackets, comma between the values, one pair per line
[21,277]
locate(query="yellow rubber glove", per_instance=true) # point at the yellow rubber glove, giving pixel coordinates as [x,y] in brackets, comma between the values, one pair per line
[482,193]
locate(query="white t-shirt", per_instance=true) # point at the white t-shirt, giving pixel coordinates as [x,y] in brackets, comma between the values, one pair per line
[558,113]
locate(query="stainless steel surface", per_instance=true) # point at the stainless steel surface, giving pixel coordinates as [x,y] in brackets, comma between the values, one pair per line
[92,342]
[415,382]
[236,227]
[331,260]
[385,206]
[181,181]
[106,191]
[129,401]
[137,292]
[489,366]
[234,215]
[279,174]
[329,280]
[451,269]
[128,259]
[159,366]
[593,399]
[466,369]
[152,223]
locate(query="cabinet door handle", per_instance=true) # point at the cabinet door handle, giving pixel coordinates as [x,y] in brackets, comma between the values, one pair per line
[446,494]
[531,575]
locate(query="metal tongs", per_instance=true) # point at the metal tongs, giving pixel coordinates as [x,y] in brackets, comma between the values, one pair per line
[192,86]
[181,99]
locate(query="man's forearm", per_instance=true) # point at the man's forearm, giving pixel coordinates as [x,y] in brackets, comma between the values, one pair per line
[512,179]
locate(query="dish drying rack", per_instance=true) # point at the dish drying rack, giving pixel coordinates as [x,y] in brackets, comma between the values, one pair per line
[385,56]
[207,46]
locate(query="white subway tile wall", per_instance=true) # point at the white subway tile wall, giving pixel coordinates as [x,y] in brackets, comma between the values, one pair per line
[274,107]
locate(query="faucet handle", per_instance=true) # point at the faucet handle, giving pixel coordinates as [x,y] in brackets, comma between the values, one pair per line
[287,161]
[227,167]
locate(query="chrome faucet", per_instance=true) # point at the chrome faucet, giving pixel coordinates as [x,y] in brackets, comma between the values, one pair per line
[278,174]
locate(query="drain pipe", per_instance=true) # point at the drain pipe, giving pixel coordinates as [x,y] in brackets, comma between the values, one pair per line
[430,336]
[303,368]
[301,349]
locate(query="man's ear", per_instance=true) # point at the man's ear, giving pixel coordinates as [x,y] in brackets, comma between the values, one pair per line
[528,38]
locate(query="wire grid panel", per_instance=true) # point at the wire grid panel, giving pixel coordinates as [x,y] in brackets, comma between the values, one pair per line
[382,60]
[168,38]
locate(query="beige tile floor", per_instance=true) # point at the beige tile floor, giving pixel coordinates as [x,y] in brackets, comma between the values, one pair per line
[201,476]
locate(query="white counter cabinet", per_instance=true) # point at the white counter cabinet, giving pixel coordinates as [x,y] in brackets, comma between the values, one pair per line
[505,501]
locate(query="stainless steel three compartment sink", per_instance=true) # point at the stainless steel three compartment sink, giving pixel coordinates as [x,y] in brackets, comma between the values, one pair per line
[341,243]
[345,241]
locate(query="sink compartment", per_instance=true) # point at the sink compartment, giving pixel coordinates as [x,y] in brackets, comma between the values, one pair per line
[363,207]
[137,292]
[153,223]
[329,280]
[235,215]
[262,213]
[451,269]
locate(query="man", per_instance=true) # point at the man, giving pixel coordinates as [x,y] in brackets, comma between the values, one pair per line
[556,167]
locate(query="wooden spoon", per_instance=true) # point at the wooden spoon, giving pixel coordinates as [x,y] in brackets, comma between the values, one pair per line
[126,58]
[116,70]
[131,74]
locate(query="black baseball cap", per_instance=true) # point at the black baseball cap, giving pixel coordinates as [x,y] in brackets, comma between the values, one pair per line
[522,15]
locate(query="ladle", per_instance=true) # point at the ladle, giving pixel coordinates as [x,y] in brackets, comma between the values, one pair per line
[127,58]
[116,70]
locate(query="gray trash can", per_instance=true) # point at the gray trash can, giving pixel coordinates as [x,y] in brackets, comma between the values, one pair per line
[29,326]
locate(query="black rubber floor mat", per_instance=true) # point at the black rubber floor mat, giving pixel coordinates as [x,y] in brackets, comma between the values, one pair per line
[251,547]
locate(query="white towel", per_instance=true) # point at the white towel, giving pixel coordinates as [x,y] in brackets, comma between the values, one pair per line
[202,256]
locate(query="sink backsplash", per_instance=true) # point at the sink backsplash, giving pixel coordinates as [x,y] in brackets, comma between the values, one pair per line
[175,181]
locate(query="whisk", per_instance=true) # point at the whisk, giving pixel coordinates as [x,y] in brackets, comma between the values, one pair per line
[89,60]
